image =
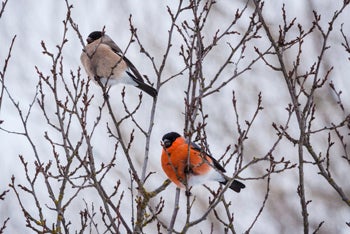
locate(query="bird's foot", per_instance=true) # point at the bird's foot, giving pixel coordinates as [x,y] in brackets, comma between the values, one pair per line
[106,96]
[97,78]
[188,169]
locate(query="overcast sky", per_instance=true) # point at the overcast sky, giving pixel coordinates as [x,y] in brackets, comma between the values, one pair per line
[41,20]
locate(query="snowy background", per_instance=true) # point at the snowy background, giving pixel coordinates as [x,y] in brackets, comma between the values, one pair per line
[41,20]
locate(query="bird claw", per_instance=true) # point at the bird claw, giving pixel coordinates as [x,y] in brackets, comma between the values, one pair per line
[106,96]
[188,193]
[97,78]
[188,169]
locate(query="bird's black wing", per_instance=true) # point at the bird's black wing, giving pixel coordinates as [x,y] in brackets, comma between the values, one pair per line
[217,165]
[132,71]
[135,73]
[236,185]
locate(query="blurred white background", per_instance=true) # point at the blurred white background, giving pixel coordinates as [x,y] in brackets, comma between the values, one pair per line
[41,20]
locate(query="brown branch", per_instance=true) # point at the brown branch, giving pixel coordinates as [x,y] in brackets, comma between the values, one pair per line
[3,5]
[4,68]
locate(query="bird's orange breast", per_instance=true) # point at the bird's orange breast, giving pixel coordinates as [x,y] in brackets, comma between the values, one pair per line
[175,160]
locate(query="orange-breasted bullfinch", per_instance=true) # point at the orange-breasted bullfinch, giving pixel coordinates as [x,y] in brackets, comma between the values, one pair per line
[104,61]
[198,168]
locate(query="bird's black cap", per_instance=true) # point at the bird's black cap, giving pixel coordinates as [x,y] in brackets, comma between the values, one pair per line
[169,138]
[94,36]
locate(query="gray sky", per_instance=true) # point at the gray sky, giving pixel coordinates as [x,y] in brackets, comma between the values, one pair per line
[41,20]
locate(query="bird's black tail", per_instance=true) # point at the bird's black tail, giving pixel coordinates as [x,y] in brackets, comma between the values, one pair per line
[148,89]
[235,186]
[140,83]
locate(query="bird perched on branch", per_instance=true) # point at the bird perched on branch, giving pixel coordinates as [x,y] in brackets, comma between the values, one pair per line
[185,162]
[105,62]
